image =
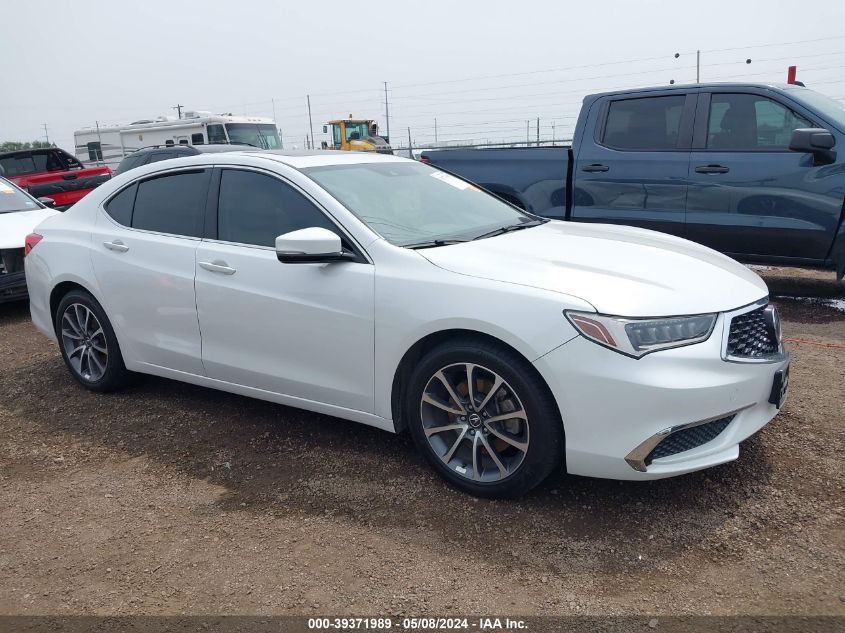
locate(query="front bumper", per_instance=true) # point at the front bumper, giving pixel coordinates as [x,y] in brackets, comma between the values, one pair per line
[614,407]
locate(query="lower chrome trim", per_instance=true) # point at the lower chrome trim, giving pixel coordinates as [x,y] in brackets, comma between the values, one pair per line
[636,458]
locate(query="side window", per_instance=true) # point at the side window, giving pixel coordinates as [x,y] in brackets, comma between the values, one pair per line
[174,203]
[650,123]
[95,151]
[255,209]
[197,139]
[169,142]
[216,134]
[750,122]
[120,207]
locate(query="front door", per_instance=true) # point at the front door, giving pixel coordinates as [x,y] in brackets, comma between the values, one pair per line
[634,170]
[749,195]
[302,330]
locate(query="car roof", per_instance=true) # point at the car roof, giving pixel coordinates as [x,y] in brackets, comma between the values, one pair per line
[701,86]
[300,159]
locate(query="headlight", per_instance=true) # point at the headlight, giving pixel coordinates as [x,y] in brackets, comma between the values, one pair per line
[638,337]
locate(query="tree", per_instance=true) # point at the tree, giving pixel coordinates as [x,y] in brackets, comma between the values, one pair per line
[11,146]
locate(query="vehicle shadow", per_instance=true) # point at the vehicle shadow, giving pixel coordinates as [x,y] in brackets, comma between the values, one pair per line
[274,458]
[14,311]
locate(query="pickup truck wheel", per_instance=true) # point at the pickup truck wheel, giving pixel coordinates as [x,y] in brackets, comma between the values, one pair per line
[88,343]
[484,419]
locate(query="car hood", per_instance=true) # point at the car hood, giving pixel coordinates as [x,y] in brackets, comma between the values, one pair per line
[619,270]
[15,226]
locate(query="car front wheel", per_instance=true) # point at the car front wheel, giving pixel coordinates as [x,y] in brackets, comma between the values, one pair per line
[484,419]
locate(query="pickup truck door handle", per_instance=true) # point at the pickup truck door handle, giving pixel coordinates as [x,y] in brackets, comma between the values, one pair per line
[712,169]
[218,266]
[116,246]
[595,167]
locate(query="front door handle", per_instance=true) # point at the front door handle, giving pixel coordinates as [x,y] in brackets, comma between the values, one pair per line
[712,169]
[218,266]
[595,167]
[116,246]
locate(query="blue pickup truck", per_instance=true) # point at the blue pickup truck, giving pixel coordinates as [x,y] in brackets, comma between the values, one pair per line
[753,171]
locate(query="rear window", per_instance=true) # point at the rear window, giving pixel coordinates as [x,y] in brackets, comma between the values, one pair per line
[650,123]
[17,165]
[174,203]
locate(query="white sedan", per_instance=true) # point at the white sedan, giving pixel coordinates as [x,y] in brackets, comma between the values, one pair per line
[20,213]
[380,290]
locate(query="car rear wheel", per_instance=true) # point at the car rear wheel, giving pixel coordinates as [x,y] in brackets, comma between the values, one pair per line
[484,419]
[88,344]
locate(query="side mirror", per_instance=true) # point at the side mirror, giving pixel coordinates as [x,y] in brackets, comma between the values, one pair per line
[47,202]
[816,141]
[311,245]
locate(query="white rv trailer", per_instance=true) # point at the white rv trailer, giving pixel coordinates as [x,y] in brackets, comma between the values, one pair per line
[109,144]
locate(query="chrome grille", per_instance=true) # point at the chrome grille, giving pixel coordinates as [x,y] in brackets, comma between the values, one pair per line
[751,335]
[689,438]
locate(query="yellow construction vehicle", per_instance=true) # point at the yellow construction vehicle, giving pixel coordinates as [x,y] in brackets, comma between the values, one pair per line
[355,135]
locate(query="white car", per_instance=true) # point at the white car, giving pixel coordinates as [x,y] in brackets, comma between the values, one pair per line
[377,289]
[20,213]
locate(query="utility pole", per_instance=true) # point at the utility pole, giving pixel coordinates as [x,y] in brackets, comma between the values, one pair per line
[527,133]
[435,130]
[698,66]
[553,132]
[46,135]
[387,113]
[310,122]
[178,107]
[410,145]
[99,152]
[538,131]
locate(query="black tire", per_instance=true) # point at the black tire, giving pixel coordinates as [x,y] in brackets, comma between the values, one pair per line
[545,450]
[115,375]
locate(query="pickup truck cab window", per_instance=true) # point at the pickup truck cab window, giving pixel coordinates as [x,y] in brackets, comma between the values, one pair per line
[650,123]
[750,122]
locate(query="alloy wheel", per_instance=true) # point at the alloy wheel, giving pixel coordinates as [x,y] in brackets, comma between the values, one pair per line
[84,342]
[474,422]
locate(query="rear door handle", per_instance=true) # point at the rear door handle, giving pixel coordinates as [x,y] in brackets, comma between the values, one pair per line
[712,169]
[218,266]
[595,167]
[116,246]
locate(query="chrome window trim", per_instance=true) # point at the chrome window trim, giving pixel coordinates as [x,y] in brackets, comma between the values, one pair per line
[636,458]
[728,318]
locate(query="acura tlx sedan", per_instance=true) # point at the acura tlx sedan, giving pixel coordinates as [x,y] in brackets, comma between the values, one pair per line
[380,290]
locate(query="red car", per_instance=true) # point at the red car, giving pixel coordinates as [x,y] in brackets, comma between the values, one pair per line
[52,173]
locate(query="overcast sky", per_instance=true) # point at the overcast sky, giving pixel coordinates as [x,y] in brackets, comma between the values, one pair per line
[481,68]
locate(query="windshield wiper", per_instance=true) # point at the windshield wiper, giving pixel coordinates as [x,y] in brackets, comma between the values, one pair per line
[434,243]
[510,228]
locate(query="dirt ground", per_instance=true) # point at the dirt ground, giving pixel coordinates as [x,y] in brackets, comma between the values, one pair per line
[169,499]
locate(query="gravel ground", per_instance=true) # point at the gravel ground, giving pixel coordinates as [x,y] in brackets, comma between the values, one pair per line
[167,499]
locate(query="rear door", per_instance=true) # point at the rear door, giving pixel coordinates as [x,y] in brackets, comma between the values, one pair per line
[633,161]
[749,195]
[144,259]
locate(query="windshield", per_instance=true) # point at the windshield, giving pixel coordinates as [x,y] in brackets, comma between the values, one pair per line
[13,199]
[265,136]
[357,130]
[410,203]
[830,109]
